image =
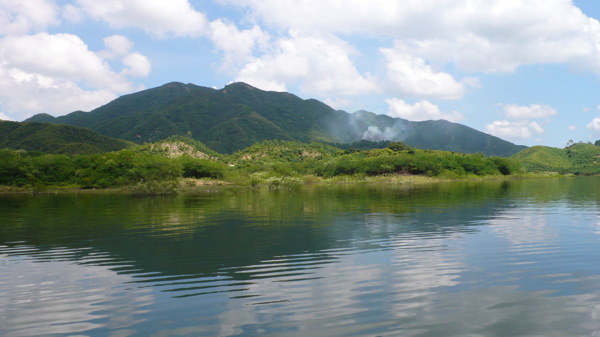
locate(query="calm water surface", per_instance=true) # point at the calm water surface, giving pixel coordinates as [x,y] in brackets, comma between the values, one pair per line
[519,258]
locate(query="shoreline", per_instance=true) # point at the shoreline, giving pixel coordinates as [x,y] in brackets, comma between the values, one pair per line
[190,185]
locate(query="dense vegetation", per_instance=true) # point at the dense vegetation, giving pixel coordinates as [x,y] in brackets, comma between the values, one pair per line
[54,138]
[579,159]
[239,115]
[159,167]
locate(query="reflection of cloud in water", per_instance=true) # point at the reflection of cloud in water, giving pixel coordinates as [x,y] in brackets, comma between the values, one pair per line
[505,311]
[410,285]
[61,297]
[357,292]
[523,227]
[389,300]
[305,300]
[419,268]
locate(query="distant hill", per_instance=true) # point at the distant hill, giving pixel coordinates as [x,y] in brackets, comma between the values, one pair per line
[240,115]
[54,138]
[580,159]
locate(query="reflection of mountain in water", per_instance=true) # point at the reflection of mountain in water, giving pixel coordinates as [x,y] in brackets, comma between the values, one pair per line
[219,233]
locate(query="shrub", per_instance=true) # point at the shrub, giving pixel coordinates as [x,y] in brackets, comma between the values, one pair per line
[201,168]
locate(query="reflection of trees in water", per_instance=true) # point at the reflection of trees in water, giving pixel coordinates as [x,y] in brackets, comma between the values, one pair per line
[339,260]
[232,228]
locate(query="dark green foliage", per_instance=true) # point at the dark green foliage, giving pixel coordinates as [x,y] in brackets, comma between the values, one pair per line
[239,116]
[362,145]
[399,146]
[202,168]
[53,138]
[276,163]
[287,159]
[430,163]
[11,172]
[585,158]
[112,169]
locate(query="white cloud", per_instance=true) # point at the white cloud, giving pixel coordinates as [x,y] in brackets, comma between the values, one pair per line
[24,94]
[414,77]
[160,18]
[58,74]
[594,126]
[486,36]
[72,13]
[5,117]
[63,56]
[521,129]
[321,65]
[514,111]
[236,45]
[23,16]
[137,64]
[572,128]
[419,111]
[519,126]
[117,45]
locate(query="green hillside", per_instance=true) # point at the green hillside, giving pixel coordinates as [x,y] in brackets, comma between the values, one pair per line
[580,159]
[179,162]
[58,139]
[240,115]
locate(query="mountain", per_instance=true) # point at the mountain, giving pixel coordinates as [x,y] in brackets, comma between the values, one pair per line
[54,138]
[240,115]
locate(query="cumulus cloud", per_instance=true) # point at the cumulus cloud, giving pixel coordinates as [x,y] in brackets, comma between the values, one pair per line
[521,129]
[519,126]
[57,74]
[414,77]
[4,117]
[236,45]
[572,128]
[24,94]
[119,46]
[594,126]
[159,18]
[62,56]
[514,111]
[137,64]
[116,46]
[486,36]
[23,16]
[420,111]
[320,64]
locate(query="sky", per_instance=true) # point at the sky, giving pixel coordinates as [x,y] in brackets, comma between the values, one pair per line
[527,71]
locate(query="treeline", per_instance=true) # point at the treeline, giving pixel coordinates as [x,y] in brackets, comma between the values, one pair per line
[289,158]
[148,170]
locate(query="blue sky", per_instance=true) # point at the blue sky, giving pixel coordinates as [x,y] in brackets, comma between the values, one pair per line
[527,71]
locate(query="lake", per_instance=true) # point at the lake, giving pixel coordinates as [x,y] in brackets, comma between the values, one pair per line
[495,258]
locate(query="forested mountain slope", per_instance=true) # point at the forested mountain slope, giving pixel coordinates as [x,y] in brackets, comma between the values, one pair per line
[240,115]
[54,138]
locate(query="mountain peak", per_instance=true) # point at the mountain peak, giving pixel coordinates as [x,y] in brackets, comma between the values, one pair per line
[238,85]
[41,117]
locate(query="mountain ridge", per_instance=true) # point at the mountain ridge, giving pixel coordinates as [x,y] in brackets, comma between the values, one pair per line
[56,138]
[240,115]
